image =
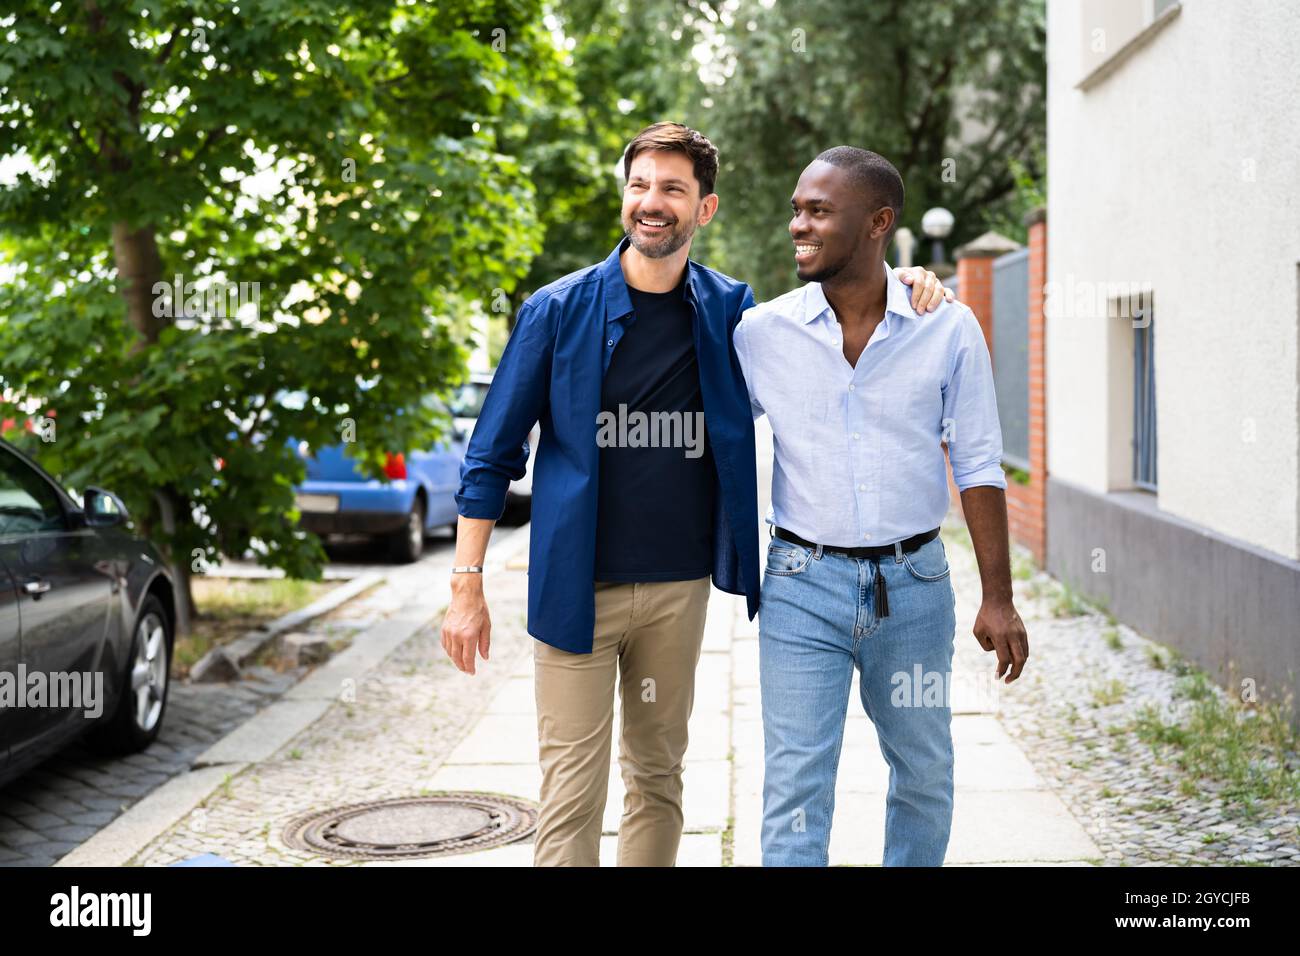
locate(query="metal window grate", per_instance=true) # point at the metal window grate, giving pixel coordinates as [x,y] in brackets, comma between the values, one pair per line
[1011,354]
[1144,398]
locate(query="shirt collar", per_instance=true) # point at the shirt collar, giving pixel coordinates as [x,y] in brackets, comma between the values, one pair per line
[617,301]
[898,297]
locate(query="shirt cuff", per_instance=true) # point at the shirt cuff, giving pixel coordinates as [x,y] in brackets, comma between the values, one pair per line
[990,475]
[481,501]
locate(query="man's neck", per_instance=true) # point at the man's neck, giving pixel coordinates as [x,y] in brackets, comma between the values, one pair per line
[860,298]
[654,275]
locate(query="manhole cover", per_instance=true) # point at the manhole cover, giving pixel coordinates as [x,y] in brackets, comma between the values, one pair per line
[433,825]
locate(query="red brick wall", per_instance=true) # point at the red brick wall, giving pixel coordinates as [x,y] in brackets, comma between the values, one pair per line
[975,287]
[1026,504]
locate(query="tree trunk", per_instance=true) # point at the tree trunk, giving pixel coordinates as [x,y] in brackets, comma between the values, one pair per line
[178,563]
[138,268]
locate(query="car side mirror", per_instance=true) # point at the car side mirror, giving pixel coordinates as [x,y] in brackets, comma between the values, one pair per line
[103,509]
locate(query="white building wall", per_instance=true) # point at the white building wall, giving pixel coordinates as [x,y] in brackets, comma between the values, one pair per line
[1180,172]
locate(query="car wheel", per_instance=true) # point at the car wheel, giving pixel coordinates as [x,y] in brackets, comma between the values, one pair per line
[139,714]
[407,543]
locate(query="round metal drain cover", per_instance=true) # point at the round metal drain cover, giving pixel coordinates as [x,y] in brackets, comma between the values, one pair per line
[433,825]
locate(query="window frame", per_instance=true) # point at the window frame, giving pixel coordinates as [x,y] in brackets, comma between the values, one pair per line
[1145,432]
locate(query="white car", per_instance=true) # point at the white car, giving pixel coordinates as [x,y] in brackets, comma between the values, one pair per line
[465,408]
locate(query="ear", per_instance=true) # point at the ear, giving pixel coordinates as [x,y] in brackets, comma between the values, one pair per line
[881,222]
[708,207]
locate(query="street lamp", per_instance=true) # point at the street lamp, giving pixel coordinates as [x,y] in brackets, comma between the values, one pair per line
[906,242]
[937,224]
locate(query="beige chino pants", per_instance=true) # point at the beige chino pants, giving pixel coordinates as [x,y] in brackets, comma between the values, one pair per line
[650,635]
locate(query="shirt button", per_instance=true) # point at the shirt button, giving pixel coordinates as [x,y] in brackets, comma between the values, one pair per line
[867,536]
[610,343]
[862,487]
[852,387]
[855,436]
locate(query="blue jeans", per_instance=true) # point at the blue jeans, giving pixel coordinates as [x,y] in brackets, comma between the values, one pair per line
[817,621]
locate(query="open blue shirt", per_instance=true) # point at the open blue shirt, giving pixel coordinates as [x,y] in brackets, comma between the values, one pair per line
[551,372]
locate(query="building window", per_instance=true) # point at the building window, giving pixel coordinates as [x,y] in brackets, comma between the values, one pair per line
[1144,397]
[1111,31]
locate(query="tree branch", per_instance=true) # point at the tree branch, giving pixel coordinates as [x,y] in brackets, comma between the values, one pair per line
[82,142]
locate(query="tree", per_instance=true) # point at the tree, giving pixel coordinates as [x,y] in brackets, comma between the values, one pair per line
[950,91]
[631,65]
[329,173]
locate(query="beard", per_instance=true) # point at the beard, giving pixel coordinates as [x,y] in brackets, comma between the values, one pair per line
[658,247]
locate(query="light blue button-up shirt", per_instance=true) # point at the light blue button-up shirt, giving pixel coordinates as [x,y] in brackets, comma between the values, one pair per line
[858,456]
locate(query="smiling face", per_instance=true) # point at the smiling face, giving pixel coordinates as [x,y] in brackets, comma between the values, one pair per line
[662,205]
[832,225]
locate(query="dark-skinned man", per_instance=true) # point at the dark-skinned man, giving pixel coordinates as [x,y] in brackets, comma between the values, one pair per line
[861,390]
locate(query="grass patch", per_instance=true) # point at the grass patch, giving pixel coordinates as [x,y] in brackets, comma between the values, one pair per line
[1111,634]
[227,608]
[1111,692]
[1158,805]
[1251,750]
[1067,602]
[1022,565]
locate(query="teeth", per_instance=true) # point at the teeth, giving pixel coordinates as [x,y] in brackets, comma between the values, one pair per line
[802,249]
[653,222]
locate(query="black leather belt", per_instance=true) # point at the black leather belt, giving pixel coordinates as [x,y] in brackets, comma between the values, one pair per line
[875,551]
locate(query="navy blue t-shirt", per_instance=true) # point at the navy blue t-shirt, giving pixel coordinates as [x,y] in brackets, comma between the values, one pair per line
[654,518]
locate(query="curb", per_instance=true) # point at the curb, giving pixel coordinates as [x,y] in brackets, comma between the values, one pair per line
[263,734]
[226,661]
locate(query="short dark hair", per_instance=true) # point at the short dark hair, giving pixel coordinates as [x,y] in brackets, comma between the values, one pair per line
[674,137]
[874,176]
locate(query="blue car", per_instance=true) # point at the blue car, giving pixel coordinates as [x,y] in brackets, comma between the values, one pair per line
[417,496]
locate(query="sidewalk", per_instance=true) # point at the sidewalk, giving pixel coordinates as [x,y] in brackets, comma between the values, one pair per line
[1004,812]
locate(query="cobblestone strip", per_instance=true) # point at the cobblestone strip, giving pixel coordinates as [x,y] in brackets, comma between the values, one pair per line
[1069,711]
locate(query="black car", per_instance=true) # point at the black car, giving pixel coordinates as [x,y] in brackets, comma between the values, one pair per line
[80,596]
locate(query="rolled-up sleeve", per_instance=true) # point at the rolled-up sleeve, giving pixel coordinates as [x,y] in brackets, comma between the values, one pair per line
[970,411]
[497,452]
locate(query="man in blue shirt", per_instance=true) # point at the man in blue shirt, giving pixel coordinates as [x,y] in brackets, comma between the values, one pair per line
[861,390]
[644,488]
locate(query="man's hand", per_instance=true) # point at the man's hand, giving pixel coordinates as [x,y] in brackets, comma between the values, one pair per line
[466,626]
[927,290]
[998,627]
